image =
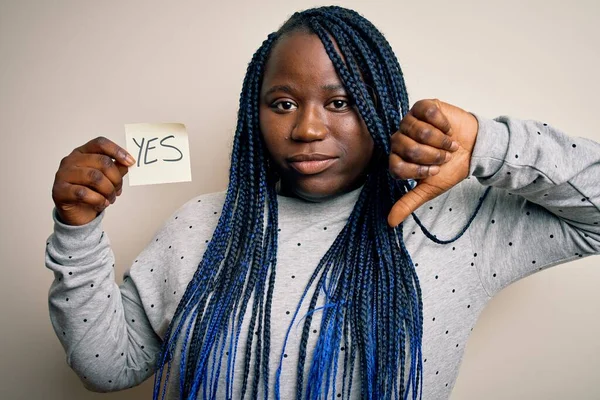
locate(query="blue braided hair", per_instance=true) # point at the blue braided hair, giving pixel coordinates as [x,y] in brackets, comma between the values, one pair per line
[373,299]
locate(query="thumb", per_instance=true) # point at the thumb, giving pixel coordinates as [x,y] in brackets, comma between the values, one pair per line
[412,200]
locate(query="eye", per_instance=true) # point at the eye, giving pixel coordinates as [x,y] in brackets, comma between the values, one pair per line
[284,105]
[339,104]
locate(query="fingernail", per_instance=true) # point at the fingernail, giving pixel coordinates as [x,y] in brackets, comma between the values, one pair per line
[106,203]
[119,192]
[130,159]
[434,170]
[448,157]
[454,146]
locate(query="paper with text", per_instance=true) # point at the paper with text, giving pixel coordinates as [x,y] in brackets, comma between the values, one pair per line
[161,151]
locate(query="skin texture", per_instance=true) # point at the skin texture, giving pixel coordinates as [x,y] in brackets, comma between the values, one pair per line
[305,110]
[89,179]
[429,127]
[308,112]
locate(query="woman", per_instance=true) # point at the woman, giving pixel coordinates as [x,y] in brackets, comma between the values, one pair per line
[305,279]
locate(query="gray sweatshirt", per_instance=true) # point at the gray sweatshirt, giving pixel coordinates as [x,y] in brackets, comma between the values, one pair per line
[543,210]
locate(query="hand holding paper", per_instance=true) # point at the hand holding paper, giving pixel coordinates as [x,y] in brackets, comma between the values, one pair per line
[88,180]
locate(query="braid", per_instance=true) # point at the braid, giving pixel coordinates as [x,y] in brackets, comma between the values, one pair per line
[373,307]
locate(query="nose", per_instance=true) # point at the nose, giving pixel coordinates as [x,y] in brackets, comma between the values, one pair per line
[310,125]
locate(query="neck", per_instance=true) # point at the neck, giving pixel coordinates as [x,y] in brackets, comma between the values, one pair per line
[290,191]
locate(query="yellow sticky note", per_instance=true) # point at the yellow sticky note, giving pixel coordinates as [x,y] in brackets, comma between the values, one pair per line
[162,153]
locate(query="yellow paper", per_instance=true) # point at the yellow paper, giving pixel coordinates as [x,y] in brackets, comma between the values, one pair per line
[162,153]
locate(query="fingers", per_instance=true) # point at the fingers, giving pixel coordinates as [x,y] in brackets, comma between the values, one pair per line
[89,179]
[430,112]
[95,167]
[401,169]
[98,167]
[423,147]
[102,145]
[67,193]
[425,133]
[94,179]
[412,200]
[122,171]
[414,152]
[421,143]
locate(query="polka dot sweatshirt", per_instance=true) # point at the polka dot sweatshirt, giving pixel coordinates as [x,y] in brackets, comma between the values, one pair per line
[543,209]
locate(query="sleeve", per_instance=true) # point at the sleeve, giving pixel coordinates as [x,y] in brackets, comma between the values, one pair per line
[544,205]
[107,337]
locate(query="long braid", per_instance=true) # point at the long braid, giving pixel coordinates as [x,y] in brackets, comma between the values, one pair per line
[373,304]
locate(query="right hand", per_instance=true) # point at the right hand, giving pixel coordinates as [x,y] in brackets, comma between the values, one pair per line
[89,179]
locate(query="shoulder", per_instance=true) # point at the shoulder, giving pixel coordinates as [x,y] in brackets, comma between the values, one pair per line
[205,202]
[202,210]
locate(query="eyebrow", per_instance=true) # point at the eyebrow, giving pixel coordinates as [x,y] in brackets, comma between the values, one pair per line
[279,88]
[333,87]
[288,89]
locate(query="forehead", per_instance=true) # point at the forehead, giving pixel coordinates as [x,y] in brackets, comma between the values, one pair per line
[299,57]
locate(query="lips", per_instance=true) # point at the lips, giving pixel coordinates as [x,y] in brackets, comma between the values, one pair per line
[311,164]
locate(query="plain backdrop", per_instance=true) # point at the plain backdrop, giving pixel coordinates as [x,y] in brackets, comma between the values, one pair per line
[73,70]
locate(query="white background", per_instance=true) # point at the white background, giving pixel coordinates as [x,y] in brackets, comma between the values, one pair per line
[73,70]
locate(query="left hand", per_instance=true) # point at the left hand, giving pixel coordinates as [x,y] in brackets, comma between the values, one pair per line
[429,132]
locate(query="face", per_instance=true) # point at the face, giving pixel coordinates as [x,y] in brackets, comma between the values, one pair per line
[315,136]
